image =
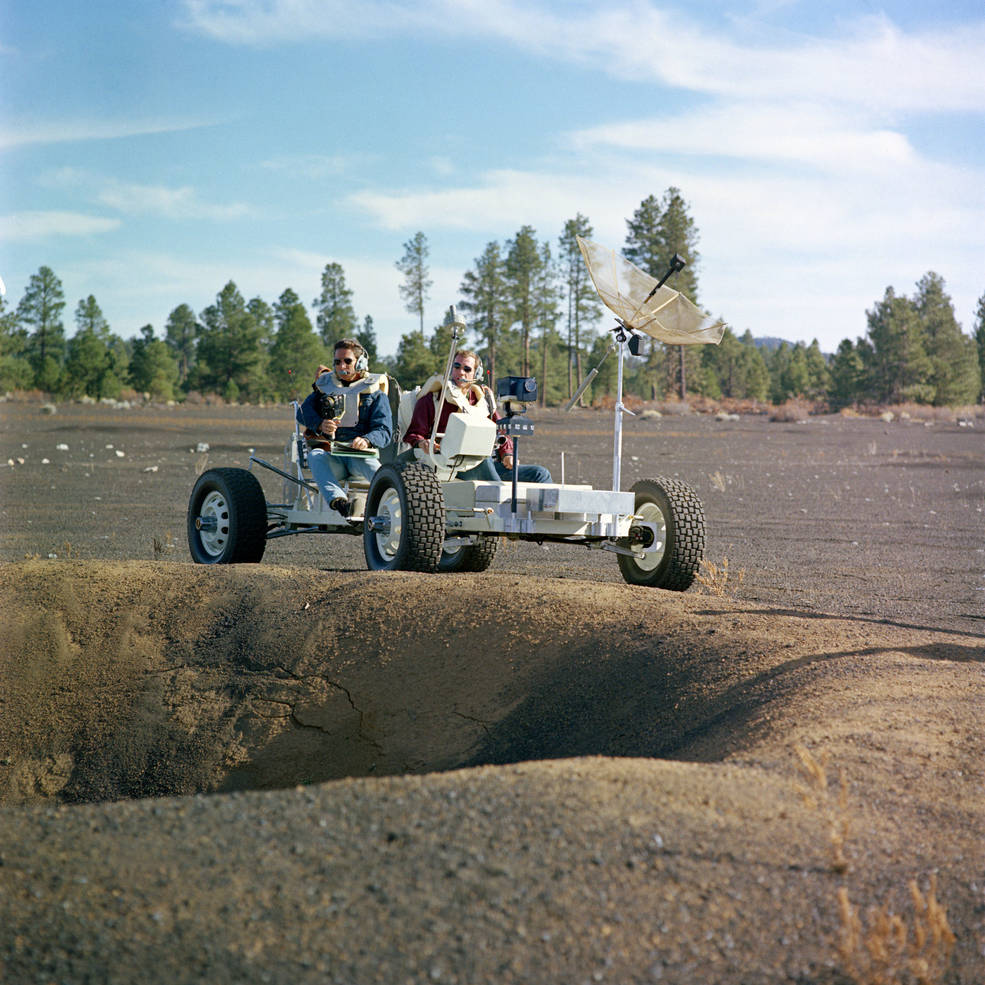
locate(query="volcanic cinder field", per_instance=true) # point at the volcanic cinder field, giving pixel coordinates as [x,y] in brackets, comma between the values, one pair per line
[302,771]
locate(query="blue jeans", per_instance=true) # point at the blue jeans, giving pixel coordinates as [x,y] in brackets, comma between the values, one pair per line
[329,470]
[525,473]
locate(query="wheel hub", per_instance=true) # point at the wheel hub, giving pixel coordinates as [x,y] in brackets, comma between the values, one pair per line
[212,523]
[651,533]
[390,518]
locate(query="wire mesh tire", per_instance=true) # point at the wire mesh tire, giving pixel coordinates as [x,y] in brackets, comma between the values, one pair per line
[472,557]
[675,511]
[405,519]
[227,518]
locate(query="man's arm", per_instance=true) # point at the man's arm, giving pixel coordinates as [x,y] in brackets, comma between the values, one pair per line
[308,414]
[377,429]
[421,421]
[504,449]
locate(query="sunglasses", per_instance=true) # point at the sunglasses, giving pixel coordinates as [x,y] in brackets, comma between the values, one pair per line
[462,366]
[343,362]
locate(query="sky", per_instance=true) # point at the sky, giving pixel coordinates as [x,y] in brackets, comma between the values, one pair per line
[151,152]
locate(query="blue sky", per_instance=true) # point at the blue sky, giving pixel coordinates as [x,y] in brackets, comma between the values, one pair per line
[151,152]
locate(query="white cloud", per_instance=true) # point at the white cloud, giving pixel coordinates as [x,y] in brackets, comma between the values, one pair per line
[170,203]
[22,227]
[503,199]
[316,166]
[261,22]
[67,131]
[374,285]
[870,62]
[774,132]
[132,198]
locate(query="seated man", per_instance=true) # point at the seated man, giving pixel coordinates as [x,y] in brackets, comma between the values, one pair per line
[347,405]
[466,374]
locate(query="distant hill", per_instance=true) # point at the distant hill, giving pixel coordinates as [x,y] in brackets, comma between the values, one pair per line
[770,342]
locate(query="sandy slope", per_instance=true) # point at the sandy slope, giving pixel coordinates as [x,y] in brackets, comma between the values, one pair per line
[642,824]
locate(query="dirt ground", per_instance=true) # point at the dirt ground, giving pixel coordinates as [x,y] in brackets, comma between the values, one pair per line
[302,771]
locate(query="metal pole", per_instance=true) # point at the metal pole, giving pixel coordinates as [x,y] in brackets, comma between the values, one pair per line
[456,323]
[617,450]
[586,382]
[516,468]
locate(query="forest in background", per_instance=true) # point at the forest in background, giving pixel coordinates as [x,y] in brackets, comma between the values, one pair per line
[531,310]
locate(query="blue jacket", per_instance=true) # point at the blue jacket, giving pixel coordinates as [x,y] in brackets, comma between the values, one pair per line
[375,422]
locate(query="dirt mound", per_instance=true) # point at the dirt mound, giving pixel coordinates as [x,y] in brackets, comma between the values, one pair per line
[129,680]
[137,680]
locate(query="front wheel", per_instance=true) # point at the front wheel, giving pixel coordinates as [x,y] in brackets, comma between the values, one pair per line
[471,557]
[671,511]
[227,518]
[405,519]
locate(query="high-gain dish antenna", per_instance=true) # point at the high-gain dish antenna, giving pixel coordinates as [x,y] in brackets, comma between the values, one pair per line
[642,305]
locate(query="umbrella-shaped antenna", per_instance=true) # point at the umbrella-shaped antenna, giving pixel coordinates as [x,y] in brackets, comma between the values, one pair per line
[644,304]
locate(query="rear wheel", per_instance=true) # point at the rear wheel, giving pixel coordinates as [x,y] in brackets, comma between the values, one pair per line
[470,557]
[405,519]
[227,518]
[671,516]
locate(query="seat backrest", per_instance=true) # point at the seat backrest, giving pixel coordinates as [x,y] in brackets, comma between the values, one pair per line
[395,396]
[404,414]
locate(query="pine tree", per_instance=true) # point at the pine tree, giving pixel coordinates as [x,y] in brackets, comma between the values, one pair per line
[296,351]
[818,374]
[953,358]
[523,268]
[263,315]
[41,307]
[181,335]
[723,361]
[15,369]
[582,302]
[367,338]
[896,362]
[416,287]
[980,344]
[547,294]
[91,366]
[847,376]
[656,232]
[485,301]
[644,239]
[336,317]
[679,234]
[789,374]
[230,359]
[754,376]
[153,366]
[415,361]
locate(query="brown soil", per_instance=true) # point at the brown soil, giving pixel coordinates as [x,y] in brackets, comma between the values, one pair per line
[303,771]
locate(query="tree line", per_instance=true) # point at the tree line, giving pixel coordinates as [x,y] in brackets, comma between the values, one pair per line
[531,310]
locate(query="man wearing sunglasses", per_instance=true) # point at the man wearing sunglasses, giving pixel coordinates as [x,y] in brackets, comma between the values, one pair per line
[347,419]
[465,379]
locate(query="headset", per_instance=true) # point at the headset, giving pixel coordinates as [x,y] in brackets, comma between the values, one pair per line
[362,360]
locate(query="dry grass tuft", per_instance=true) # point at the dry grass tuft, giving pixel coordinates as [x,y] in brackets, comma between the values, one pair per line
[833,807]
[717,578]
[881,948]
[791,412]
[717,480]
[885,950]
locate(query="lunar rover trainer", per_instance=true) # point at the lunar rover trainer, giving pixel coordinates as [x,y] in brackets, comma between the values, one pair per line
[417,515]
